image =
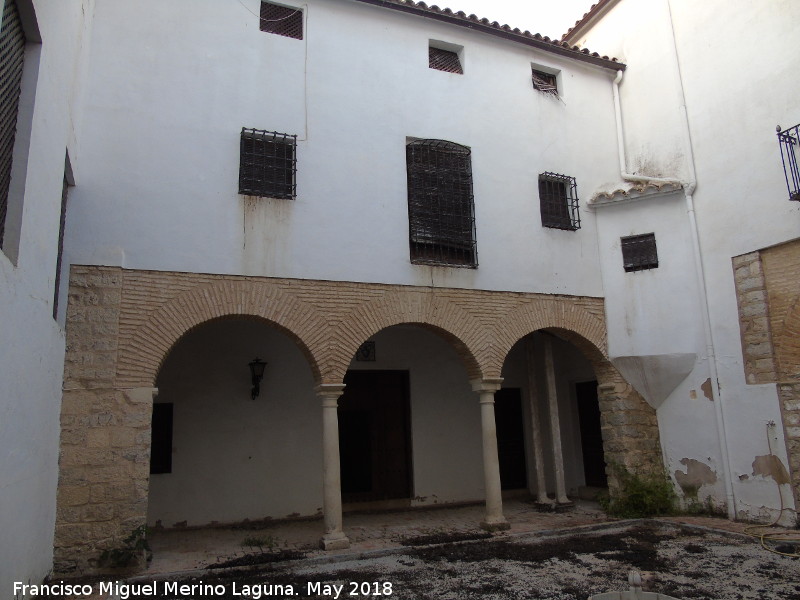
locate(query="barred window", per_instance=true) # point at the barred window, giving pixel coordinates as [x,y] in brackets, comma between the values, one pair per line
[444,60]
[639,252]
[267,164]
[12,54]
[544,82]
[441,211]
[558,198]
[282,20]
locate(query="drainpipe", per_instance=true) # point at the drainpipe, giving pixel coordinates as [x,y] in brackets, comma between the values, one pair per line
[688,190]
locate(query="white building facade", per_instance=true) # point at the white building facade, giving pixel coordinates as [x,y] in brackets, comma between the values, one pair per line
[415,218]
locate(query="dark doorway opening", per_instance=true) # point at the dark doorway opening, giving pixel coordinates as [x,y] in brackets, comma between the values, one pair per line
[594,462]
[375,436]
[510,439]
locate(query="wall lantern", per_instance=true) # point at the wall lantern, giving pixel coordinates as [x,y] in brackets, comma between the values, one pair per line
[257,374]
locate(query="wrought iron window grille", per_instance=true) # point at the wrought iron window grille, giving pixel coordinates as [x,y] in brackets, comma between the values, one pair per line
[267,164]
[789,140]
[282,20]
[12,55]
[444,60]
[639,252]
[544,82]
[441,212]
[558,198]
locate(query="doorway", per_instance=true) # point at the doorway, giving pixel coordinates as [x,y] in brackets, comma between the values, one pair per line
[375,436]
[594,461]
[510,439]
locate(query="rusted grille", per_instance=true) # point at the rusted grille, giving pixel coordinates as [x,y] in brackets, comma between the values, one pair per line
[558,198]
[267,164]
[789,139]
[544,82]
[441,212]
[282,20]
[444,60]
[12,54]
[639,252]
[60,255]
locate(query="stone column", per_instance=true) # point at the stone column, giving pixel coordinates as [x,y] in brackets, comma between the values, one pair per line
[334,538]
[536,426]
[555,425]
[495,521]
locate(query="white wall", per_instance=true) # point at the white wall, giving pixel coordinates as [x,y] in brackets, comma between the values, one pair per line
[31,362]
[741,202]
[168,96]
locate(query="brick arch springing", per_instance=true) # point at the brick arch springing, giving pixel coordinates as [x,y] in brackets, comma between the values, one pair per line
[559,314]
[446,319]
[142,356]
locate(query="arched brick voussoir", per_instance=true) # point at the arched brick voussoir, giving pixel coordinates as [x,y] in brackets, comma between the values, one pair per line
[562,316]
[430,309]
[143,353]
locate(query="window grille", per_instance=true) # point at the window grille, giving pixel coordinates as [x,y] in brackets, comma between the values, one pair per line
[60,255]
[789,139]
[444,60]
[639,252]
[544,82]
[267,164]
[558,198]
[12,54]
[282,20]
[441,211]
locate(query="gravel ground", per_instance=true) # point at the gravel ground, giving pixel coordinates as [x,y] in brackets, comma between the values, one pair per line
[681,562]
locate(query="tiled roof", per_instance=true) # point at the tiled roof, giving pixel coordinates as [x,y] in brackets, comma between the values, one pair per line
[591,15]
[636,191]
[527,38]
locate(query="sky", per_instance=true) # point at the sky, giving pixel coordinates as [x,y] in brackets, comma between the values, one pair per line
[548,17]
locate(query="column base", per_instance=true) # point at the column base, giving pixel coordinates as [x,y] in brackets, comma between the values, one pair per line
[564,506]
[499,525]
[334,541]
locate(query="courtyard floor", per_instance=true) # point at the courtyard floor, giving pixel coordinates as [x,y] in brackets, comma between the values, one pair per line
[443,554]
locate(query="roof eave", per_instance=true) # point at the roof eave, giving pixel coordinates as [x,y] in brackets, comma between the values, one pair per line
[505,32]
[588,20]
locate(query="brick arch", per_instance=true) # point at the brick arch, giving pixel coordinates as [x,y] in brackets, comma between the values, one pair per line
[144,352]
[559,315]
[424,308]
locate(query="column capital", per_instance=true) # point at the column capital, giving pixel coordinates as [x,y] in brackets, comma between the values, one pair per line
[329,392]
[488,384]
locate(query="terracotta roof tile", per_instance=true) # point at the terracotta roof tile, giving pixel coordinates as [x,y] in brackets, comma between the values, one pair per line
[556,46]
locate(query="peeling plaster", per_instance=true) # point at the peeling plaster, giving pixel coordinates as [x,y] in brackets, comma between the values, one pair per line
[706,387]
[697,475]
[770,466]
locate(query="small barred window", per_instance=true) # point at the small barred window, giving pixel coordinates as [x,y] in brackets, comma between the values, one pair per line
[441,210]
[267,164]
[639,252]
[558,199]
[282,20]
[544,82]
[444,60]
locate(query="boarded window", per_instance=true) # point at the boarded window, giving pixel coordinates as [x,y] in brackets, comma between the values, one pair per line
[161,440]
[441,211]
[12,54]
[639,252]
[444,60]
[544,82]
[558,198]
[282,20]
[267,164]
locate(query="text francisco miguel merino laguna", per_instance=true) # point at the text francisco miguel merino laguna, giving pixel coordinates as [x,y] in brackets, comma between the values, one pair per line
[253,591]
